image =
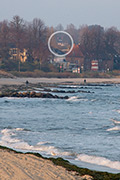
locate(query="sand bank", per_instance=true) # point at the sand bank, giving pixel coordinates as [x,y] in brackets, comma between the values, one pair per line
[18,81]
[16,166]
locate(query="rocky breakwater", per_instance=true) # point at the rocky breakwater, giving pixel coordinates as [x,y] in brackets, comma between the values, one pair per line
[30,95]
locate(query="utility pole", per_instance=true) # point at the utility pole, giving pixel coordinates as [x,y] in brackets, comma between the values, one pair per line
[19,66]
[40,62]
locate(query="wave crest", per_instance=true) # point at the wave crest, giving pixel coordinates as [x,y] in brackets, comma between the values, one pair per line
[99,161]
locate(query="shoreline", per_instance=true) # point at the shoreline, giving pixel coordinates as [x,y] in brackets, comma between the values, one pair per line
[34,166]
[73,81]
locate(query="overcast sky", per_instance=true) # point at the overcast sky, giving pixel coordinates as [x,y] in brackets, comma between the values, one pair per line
[78,12]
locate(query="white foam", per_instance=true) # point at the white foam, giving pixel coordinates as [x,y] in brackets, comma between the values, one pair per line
[41,143]
[73,98]
[7,132]
[72,86]
[19,129]
[115,121]
[4,131]
[83,99]
[118,111]
[116,128]
[99,161]
[50,150]
[11,98]
[90,112]
[8,139]
[22,146]
[92,100]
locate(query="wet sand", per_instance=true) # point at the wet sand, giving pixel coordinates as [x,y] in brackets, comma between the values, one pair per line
[18,81]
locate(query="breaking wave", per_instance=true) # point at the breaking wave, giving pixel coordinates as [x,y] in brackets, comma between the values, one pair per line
[76,99]
[118,111]
[73,98]
[115,121]
[9,139]
[99,161]
[116,128]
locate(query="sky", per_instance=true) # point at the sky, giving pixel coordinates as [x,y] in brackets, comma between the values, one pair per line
[53,12]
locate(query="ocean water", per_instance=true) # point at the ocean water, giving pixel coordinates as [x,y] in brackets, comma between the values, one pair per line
[85,129]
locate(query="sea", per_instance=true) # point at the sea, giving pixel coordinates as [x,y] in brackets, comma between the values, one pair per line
[84,129]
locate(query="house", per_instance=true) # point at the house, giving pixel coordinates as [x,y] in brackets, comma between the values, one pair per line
[106,65]
[76,56]
[94,65]
[73,62]
[61,63]
[101,65]
[76,70]
[59,59]
[17,54]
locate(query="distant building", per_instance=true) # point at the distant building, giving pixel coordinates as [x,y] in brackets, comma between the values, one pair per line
[59,59]
[101,65]
[116,62]
[16,54]
[76,62]
[87,64]
[76,57]
[106,65]
[60,62]
[94,65]
[76,70]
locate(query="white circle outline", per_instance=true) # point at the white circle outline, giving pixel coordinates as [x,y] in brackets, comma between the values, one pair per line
[64,32]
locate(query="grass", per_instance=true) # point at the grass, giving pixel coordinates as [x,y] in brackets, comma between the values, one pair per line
[38,73]
[89,74]
[5,74]
[71,167]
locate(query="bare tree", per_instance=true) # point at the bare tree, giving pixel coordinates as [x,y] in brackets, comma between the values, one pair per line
[17,30]
[59,27]
[38,38]
[72,30]
[112,41]
[4,39]
[92,41]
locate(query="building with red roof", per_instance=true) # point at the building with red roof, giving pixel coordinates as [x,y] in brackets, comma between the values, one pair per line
[76,57]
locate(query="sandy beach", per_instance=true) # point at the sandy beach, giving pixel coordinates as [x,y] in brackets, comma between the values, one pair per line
[15,166]
[19,81]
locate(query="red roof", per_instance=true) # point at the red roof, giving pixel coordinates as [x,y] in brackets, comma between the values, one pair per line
[76,52]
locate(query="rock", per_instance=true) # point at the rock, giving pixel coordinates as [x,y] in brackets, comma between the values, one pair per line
[38,95]
[31,94]
[14,94]
[87,177]
[1,94]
